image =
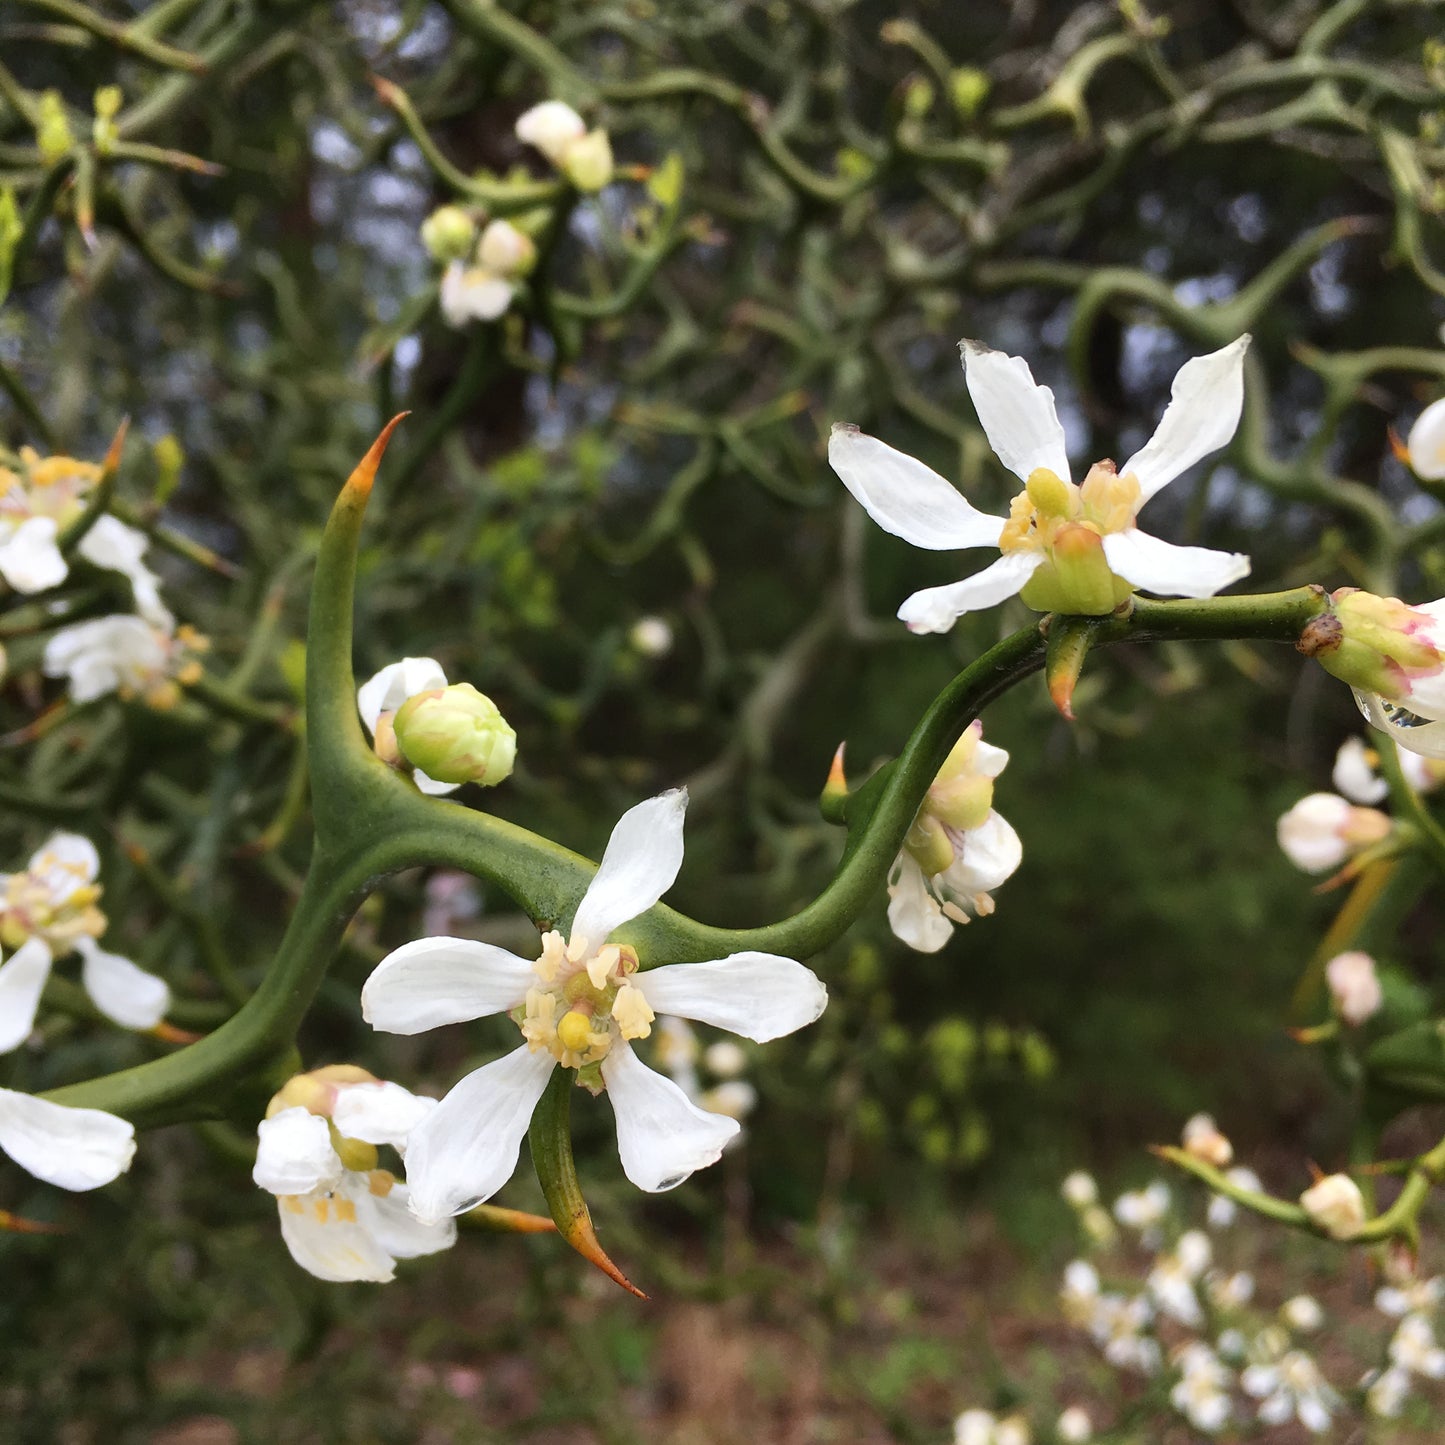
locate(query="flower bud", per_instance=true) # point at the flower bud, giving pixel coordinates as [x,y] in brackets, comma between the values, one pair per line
[552,127]
[1079,1190]
[456,735]
[1426,444]
[1336,1205]
[651,636]
[506,250]
[448,233]
[1381,645]
[1203,1140]
[1354,986]
[588,162]
[1322,830]
[1074,1426]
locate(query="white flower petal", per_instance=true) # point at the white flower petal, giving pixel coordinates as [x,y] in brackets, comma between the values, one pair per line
[1427,442]
[552,127]
[394,1227]
[65,862]
[30,560]
[430,786]
[1355,777]
[466,1148]
[914,914]
[112,545]
[389,688]
[1422,736]
[123,991]
[990,854]
[379,1113]
[332,1247]
[1170,571]
[294,1154]
[435,981]
[1017,414]
[936,609]
[75,1149]
[22,981]
[907,498]
[468,293]
[662,1136]
[638,867]
[761,996]
[1203,413]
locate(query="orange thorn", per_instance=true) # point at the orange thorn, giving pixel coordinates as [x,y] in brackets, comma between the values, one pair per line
[14,1224]
[359,482]
[583,1238]
[170,1034]
[387,91]
[1401,451]
[511,1221]
[1061,691]
[112,455]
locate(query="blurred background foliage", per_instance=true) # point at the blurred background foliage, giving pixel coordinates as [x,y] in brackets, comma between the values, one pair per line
[813,201]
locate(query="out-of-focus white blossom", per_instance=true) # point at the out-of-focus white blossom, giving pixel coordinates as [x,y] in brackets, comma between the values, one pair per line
[1302,1313]
[1415,1350]
[1426,443]
[1201,1394]
[1203,1139]
[1388,1390]
[1231,1291]
[1223,1211]
[1354,986]
[1080,1189]
[1322,830]
[1174,1276]
[126,655]
[1293,1388]
[1410,1296]
[555,129]
[1143,1210]
[651,636]
[1074,1427]
[1336,1205]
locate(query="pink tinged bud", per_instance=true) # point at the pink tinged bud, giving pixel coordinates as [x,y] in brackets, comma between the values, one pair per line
[456,735]
[1354,986]
[1381,645]
[1336,1205]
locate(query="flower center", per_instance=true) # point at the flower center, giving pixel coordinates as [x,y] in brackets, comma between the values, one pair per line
[1106,502]
[31,904]
[582,1002]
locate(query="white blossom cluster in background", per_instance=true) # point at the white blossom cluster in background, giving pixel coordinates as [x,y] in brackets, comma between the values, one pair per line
[1193,1337]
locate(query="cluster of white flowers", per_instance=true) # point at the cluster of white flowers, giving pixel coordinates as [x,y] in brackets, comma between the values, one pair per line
[1172,1310]
[485,263]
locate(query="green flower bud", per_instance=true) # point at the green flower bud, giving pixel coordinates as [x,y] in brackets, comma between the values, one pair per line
[456,735]
[449,233]
[587,162]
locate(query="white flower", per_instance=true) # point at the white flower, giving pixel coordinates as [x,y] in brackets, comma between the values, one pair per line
[1336,1205]
[1172,1279]
[1143,1210]
[1302,1313]
[124,654]
[1119,1326]
[1079,1295]
[581,1004]
[725,1059]
[342,1217]
[1079,1189]
[583,156]
[551,127]
[1201,1394]
[1322,830]
[49,909]
[1201,1138]
[37,504]
[651,636]
[1012,1430]
[1074,1426]
[1231,1291]
[378,698]
[75,1149]
[111,545]
[957,851]
[1409,1296]
[472,293]
[1292,1388]
[1426,443]
[1388,1391]
[506,250]
[1354,986]
[1354,773]
[1064,548]
[1414,1349]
